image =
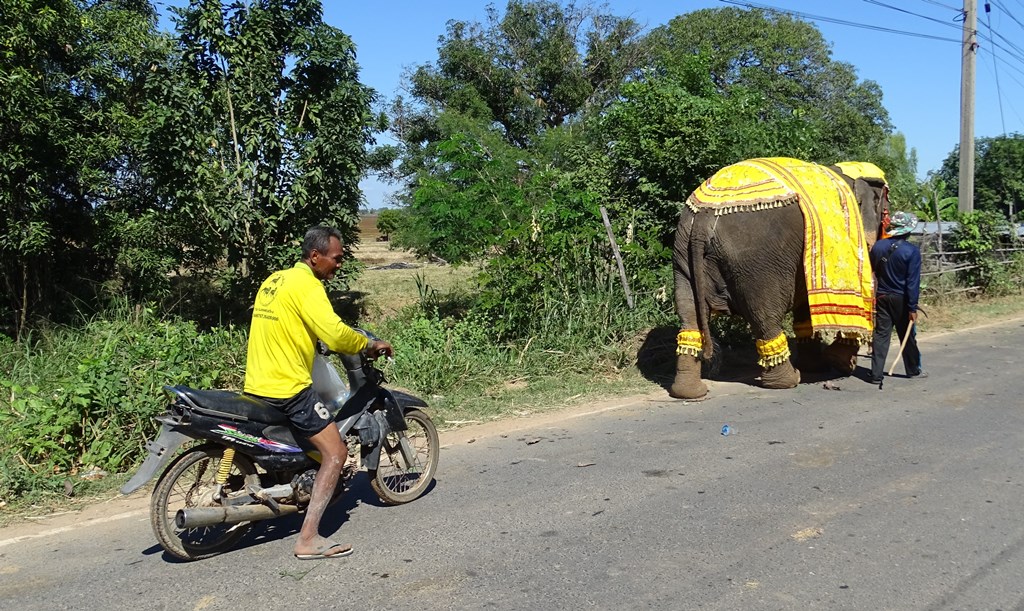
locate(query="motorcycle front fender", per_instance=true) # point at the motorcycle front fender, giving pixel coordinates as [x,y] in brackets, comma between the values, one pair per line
[161,451]
[407,401]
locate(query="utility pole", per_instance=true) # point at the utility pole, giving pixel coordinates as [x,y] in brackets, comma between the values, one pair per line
[967,63]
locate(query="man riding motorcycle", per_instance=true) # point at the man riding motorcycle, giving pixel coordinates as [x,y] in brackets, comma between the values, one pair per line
[291,311]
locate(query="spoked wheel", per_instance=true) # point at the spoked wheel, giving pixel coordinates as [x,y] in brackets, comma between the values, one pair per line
[405,472]
[191,482]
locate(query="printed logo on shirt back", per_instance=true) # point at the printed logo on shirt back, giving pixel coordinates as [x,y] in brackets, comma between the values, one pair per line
[269,291]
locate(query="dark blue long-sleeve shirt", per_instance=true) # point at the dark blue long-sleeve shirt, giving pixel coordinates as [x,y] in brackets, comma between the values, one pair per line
[900,272]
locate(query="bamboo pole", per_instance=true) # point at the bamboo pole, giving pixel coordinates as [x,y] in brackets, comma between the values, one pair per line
[618,257]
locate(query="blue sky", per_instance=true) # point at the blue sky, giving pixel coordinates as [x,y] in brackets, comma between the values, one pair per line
[919,77]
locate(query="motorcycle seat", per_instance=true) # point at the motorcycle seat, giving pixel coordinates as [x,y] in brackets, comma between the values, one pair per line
[231,405]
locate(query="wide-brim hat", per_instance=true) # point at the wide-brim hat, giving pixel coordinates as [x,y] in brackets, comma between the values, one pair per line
[901,223]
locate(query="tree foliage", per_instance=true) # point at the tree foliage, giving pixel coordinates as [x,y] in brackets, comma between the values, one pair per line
[483,117]
[388,221]
[531,68]
[259,131]
[787,65]
[70,73]
[998,174]
[493,126]
[133,158]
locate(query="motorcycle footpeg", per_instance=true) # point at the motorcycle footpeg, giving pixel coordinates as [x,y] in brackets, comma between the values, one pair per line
[261,495]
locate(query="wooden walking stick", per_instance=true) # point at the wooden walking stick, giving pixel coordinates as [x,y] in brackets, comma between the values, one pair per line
[903,344]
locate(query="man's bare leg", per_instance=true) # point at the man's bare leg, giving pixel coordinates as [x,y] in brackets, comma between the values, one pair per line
[333,452]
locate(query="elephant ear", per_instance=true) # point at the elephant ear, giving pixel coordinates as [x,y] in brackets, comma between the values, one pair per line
[873,197]
[869,185]
[850,180]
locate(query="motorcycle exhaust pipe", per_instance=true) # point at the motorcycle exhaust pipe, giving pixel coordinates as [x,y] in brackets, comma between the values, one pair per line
[197,517]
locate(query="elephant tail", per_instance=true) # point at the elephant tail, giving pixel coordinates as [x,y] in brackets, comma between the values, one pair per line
[700,301]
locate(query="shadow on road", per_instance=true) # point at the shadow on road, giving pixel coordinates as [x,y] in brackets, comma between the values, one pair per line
[266,531]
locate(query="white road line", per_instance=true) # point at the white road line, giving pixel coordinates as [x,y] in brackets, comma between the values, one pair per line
[64,529]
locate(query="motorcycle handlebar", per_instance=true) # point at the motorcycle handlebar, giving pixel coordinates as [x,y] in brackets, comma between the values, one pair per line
[367,353]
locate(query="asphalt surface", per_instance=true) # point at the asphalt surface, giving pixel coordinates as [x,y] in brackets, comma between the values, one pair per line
[858,498]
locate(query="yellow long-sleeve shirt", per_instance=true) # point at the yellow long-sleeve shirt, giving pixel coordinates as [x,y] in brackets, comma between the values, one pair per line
[290,312]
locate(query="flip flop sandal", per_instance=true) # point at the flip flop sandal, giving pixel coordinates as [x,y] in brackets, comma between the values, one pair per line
[327,552]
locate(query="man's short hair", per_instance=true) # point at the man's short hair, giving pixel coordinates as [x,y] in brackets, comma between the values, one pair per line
[318,238]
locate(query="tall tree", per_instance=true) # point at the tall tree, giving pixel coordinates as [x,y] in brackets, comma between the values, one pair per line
[532,68]
[538,67]
[998,174]
[787,64]
[70,74]
[260,129]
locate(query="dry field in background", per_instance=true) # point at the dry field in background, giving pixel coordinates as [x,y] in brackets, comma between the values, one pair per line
[389,281]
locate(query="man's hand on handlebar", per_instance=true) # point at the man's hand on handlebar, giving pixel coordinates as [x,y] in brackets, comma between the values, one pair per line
[378,348]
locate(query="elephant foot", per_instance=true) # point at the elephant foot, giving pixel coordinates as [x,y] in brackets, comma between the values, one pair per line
[783,375]
[687,384]
[841,356]
[689,393]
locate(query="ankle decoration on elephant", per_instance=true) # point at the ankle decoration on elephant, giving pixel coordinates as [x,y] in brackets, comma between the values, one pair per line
[689,342]
[773,351]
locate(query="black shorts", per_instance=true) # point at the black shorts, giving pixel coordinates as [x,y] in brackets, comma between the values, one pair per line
[307,413]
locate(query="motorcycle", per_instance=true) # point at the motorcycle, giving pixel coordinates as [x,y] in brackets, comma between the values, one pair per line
[246,464]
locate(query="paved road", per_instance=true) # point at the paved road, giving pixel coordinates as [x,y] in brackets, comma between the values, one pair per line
[905,498]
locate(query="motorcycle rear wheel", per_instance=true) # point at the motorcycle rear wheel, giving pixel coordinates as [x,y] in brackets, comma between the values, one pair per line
[396,484]
[190,482]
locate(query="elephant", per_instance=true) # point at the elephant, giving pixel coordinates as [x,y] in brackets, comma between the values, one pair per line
[741,250]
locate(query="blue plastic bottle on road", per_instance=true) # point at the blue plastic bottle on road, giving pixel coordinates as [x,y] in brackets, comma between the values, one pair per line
[727,430]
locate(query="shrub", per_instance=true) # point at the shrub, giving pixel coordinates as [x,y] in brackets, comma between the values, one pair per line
[979,234]
[79,397]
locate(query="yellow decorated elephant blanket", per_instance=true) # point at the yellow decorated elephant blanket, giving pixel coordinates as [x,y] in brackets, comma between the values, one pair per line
[836,265]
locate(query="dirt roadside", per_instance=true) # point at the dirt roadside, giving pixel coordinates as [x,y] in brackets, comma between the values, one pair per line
[136,505]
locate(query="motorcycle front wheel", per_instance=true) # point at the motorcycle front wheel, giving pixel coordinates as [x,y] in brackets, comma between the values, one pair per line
[191,482]
[404,476]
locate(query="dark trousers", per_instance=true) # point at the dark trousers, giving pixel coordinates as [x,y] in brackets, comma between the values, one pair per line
[892,310]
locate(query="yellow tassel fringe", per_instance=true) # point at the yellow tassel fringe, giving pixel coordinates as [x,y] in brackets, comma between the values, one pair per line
[689,342]
[772,351]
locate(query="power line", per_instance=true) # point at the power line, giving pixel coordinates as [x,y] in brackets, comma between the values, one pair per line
[952,8]
[1017,53]
[995,68]
[1019,82]
[1008,13]
[896,8]
[1013,67]
[855,24]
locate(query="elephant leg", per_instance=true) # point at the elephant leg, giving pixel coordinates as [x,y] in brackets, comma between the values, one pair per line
[809,356]
[842,355]
[808,348]
[777,370]
[687,383]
